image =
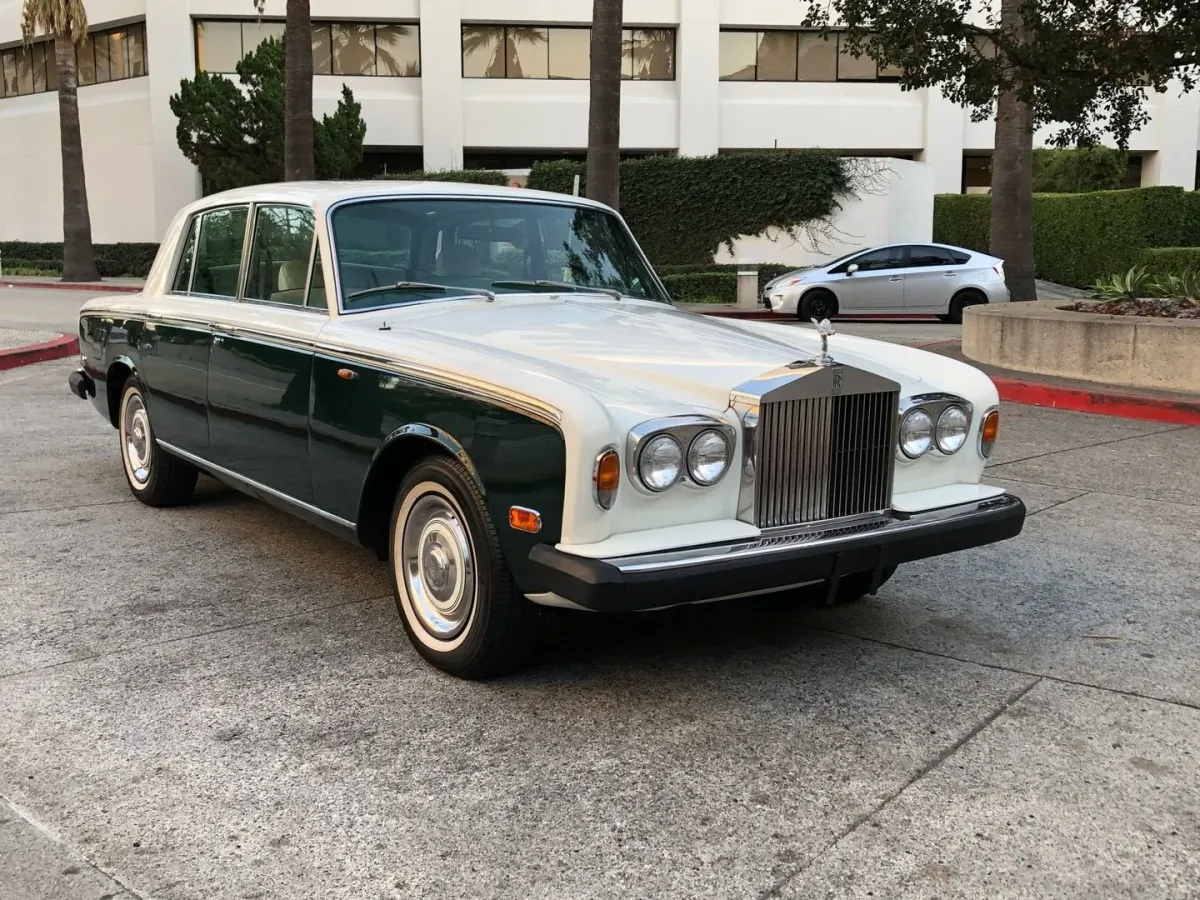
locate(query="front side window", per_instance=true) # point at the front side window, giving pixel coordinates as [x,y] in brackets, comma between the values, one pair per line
[464,244]
[279,253]
[219,252]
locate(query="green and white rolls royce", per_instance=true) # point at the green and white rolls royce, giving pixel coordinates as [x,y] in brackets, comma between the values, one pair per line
[492,389]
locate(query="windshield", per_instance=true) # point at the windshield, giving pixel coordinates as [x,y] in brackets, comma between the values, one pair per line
[437,248]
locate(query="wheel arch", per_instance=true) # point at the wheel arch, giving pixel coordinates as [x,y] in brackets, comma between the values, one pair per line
[822,289]
[970,289]
[394,458]
[118,372]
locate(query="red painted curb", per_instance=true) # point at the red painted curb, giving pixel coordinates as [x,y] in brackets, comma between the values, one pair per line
[784,317]
[58,348]
[88,286]
[1105,403]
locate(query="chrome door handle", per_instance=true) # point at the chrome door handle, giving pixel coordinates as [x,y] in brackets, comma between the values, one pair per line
[949,274]
[218,338]
[896,278]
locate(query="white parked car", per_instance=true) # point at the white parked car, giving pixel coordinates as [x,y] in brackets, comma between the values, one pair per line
[935,279]
[491,389]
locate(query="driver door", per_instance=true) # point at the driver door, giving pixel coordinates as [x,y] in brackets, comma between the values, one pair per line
[878,283]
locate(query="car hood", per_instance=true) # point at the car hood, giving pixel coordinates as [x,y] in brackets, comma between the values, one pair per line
[631,352]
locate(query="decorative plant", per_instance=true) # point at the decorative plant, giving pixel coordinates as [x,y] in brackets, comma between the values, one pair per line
[1130,286]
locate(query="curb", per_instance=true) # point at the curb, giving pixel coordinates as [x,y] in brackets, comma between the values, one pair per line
[59,348]
[1104,403]
[88,286]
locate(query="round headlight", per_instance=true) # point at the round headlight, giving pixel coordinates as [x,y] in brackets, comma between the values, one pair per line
[952,427]
[916,433]
[660,462]
[708,457]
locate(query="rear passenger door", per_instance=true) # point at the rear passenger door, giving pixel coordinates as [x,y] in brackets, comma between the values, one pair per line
[260,367]
[931,279]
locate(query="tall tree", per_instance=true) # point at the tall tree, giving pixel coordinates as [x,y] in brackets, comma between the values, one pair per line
[604,112]
[298,162]
[67,21]
[1083,67]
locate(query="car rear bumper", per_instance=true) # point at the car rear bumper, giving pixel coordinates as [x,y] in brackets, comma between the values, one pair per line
[777,562]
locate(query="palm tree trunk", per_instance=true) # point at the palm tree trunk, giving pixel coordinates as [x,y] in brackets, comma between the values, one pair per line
[1012,179]
[604,115]
[298,93]
[79,261]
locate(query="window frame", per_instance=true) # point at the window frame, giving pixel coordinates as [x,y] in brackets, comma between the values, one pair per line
[200,214]
[329,24]
[248,248]
[835,38]
[46,74]
[504,28]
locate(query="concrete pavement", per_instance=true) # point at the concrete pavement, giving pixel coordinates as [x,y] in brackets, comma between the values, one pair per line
[219,701]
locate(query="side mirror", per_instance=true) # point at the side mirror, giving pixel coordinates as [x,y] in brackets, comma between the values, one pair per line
[852,268]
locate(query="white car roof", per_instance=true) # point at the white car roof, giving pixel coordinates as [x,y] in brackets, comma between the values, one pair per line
[326,193]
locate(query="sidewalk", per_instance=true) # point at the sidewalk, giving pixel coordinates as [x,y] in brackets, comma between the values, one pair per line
[1082,396]
[23,348]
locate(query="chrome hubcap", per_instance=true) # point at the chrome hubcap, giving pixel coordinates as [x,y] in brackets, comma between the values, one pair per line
[137,439]
[438,566]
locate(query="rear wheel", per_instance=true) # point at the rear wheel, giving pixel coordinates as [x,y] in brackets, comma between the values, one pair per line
[454,591]
[961,301]
[155,476]
[817,304]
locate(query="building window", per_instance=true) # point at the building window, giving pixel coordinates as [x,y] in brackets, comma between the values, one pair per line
[339,48]
[777,55]
[111,55]
[532,51]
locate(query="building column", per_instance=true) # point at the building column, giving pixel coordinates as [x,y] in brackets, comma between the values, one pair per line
[170,57]
[441,84]
[1177,121]
[697,60]
[944,141]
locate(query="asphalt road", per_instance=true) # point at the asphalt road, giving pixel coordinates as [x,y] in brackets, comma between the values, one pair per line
[218,701]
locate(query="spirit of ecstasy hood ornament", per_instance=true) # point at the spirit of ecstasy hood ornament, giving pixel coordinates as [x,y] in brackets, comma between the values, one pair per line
[825,330]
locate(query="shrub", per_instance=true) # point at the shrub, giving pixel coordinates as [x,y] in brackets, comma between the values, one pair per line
[459,176]
[703,287]
[1080,170]
[1171,260]
[682,209]
[1078,238]
[112,260]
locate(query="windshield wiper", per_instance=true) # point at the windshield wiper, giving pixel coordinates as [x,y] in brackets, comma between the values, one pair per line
[581,288]
[422,286]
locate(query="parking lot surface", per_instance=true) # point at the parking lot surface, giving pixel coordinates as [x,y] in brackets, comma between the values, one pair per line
[218,701]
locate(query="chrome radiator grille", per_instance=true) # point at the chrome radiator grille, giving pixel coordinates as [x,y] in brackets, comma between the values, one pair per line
[824,457]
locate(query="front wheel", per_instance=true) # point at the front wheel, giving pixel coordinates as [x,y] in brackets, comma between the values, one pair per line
[155,476]
[455,594]
[817,304]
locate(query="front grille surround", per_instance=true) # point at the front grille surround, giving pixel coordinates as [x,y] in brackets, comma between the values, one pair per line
[820,444]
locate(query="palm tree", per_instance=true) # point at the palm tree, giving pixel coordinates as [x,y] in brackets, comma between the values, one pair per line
[604,113]
[298,162]
[67,21]
[1012,178]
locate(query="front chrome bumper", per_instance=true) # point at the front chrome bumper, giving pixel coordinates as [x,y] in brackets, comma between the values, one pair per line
[783,559]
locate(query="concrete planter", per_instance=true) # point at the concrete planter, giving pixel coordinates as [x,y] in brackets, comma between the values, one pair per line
[1162,354]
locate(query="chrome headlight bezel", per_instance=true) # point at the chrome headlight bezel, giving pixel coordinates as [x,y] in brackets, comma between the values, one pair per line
[934,406]
[684,430]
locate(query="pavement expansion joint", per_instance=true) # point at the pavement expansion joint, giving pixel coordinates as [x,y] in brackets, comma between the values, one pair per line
[930,765]
[1029,516]
[1058,679]
[73,506]
[1137,437]
[70,848]
[199,634]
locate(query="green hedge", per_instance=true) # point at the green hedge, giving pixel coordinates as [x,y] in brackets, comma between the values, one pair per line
[112,260]
[1169,260]
[766,271]
[1079,238]
[682,209]
[703,287]
[459,176]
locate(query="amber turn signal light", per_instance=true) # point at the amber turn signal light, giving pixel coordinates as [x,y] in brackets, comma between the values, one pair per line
[988,432]
[522,519]
[606,478]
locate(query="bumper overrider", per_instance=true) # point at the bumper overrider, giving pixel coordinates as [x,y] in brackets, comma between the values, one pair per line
[781,560]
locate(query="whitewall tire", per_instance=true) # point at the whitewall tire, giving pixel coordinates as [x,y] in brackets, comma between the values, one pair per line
[154,476]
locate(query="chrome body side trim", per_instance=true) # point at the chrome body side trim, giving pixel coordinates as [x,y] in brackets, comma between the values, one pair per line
[826,534]
[253,487]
